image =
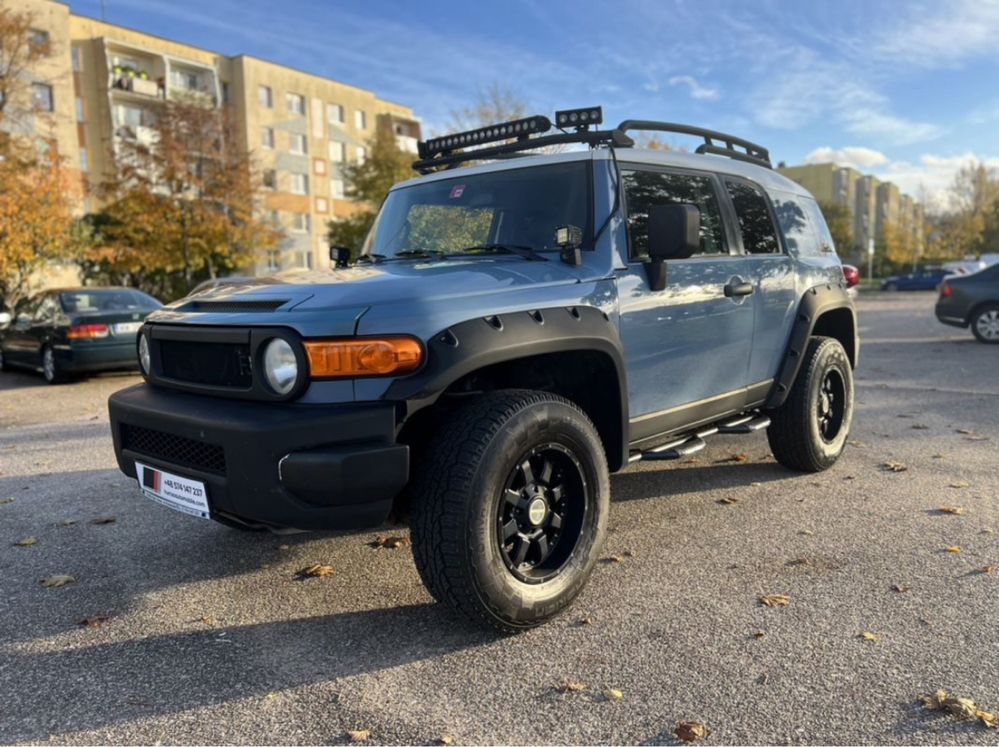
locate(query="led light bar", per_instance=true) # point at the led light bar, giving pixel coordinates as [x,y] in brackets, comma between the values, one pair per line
[520,128]
[591,115]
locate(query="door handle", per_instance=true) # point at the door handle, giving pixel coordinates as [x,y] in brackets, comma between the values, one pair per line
[738,289]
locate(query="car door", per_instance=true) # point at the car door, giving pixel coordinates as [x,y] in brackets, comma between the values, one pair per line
[17,338]
[687,346]
[772,272]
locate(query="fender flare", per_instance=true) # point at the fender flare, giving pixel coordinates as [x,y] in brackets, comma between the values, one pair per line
[478,343]
[816,301]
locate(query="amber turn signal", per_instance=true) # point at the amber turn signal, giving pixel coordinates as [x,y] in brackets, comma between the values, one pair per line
[338,359]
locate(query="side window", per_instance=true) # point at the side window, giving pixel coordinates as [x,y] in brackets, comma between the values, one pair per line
[644,189]
[794,224]
[46,311]
[758,233]
[826,243]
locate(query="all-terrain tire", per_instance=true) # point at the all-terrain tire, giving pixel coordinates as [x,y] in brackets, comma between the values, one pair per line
[808,432]
[463,488]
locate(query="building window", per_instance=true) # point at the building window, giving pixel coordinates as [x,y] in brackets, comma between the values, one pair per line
[319,166]
[300,184]
[273,260]
[84,161]
[362,153]
[295,103]
[38,41]
[74,53]
[297,144]
[225,92]
[338,151]
[79,110]
[270,179]
[336,189]
[265,97]
[267,137]
[360,120]
[300,222]
[41,97]
[322,205]
[334,114]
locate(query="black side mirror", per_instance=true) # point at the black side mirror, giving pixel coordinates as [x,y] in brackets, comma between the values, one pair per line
[340,256]
[674,233]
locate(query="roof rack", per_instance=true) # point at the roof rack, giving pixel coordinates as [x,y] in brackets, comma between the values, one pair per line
[512,138]
[751,152]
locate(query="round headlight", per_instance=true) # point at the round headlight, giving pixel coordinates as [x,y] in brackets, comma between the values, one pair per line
[144,352]
[280,366]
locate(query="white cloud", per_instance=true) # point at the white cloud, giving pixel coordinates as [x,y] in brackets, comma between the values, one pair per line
[942,34]
[931,177]
[697,91]
[856,156]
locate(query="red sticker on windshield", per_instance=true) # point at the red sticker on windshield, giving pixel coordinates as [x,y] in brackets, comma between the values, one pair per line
[457,192]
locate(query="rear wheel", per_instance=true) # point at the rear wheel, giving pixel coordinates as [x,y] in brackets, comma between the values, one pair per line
[985,324]
[808,432]
[510,509]
[891,287]
[50,367]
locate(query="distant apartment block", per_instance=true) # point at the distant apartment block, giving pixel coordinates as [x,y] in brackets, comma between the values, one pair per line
[876,206]
[103,85]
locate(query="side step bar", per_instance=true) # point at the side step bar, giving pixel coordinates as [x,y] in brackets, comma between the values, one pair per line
[694,442]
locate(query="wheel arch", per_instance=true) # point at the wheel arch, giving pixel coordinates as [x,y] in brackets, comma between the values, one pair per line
[826,310]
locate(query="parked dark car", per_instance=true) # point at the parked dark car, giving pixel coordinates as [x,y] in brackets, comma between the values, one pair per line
[972,301]
[929,278]
[75,330]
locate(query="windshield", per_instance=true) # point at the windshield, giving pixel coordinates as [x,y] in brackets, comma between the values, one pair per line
[514,207]
[83,302]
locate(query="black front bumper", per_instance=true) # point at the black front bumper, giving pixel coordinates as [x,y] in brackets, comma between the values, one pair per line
[269,464]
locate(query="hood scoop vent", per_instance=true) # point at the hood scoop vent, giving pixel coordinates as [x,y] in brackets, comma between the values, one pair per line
[235,307]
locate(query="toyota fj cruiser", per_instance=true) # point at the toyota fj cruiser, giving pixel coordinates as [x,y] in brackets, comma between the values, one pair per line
[510,333]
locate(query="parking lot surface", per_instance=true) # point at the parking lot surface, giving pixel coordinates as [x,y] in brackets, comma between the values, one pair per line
[210,637]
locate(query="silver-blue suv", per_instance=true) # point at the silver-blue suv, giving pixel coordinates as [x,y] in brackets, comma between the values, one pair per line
[510,334]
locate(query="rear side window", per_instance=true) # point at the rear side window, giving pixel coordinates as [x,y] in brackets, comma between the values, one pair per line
[795,224]
[759,236]
[644,189]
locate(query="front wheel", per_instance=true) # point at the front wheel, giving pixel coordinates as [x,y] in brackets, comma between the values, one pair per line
[808,432]
[510,509]
[985,324]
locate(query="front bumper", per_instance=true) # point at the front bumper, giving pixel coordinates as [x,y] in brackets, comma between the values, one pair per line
[269,464]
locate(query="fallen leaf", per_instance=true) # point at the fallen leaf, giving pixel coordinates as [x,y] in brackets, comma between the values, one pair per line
[104,520]
[26,542]
[775,600]
[571,686]
[54,582]
[920,427]
[728,500]
[857,444]
[612,693]
[284,547]
[799,561]
[94,621]
[960,484]
[899,588]
[988,530]
[584,621]
[209,621]
[445,739]
[953,549]
[272,696]
[628,554]
[5,501]
[989,569]
[937,456]
[976,438]
[359,735]
[732,458]
[316,570]
[691,731]
[989,719]
[953,510]
[934,701]
[758,634]
[67,522]
[965,431]
[868,636]
[389,543]
[962,708]
[612,559]
[893,467]
[806,532]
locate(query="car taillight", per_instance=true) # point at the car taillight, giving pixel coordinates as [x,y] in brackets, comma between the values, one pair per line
[945,291]
[87,331]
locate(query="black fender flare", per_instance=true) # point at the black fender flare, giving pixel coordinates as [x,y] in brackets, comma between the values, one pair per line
[815,302]
[477,343]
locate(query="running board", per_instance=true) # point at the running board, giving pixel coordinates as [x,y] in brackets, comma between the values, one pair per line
[694,442]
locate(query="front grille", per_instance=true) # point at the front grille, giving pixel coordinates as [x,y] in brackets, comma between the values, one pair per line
[184,452]
[222,364]
[234,307]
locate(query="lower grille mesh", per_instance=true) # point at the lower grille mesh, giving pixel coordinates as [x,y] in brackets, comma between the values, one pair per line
[184,452]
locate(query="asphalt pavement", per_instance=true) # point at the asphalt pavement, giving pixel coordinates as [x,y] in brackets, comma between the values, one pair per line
[211,638]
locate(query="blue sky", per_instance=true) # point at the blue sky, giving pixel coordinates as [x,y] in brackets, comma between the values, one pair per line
[906,90]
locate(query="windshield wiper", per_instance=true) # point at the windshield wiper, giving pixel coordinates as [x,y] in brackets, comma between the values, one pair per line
[415,254]
[374,258]
[519,249]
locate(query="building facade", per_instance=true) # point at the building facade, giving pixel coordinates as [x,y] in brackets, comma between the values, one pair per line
[104,83]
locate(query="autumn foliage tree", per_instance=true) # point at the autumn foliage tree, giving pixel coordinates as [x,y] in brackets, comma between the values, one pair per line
[181,205]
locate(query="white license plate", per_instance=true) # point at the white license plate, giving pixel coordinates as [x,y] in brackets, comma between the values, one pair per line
[176,492]
[122,328]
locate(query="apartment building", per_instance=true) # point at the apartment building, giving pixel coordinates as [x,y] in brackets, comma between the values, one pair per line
[874,204]
[102,85]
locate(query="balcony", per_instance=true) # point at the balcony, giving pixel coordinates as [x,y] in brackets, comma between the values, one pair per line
[406,143]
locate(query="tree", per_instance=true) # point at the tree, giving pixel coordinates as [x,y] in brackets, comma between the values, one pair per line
[181,204]
[368,183]
[21,51]
[497,103]
[840,222]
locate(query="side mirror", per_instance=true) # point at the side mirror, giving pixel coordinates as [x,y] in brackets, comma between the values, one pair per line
[674,233]
[340,256]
